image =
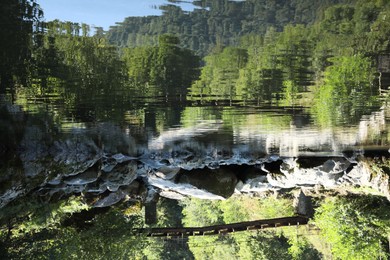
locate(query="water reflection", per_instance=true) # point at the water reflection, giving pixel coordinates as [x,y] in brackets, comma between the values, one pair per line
[100,157]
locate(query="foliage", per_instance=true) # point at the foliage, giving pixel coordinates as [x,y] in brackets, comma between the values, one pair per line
[33,216]
[216,23]
[200,213]
[355,226]
[263,245]
[168,248]
[169,215]
[244,245]
[301,66]
[276,63]
[69,63]
[213,247]
[241,208]
[300,246]
[49,217]
[107,236]
[343,95]
[219,75]
[18,20]
[163,70]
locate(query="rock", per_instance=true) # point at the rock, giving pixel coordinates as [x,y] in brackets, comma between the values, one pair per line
[221,181]
[335,165]
[10,195]
[75,155]
[150,204]
[255,185]
[182,188]
[239,187]
[55,181]
[108,164]
[303,205]
[120,158]
[110,200]
[152,195]
[167,172]
[121,175]
[132,189]
[113,139]
[273,166]
[86,177]
[171,195]
[362,175]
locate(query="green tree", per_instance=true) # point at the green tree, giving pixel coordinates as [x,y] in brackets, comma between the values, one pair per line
[218,77]
[169,214]
[163,70]
[357,227]
[347,91]
[78,67]
[108,236]
[17,19]
[263,245]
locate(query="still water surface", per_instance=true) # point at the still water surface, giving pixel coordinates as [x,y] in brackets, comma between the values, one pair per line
[158,123]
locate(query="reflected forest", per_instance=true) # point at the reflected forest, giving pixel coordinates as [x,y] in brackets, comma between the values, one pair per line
[252,129]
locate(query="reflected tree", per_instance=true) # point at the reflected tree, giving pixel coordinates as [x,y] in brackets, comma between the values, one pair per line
[347,91]
[17,24]
[218,77]
[166,70]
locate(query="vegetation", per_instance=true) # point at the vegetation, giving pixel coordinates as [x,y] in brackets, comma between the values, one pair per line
[246,245]
[356,227]
[289,60]
[216,23]
[300,66]
[169,215]
[164,70]
[342,96]
[48,231]
[17,19]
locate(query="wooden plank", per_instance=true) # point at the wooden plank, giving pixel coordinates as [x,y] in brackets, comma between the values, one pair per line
[223,229]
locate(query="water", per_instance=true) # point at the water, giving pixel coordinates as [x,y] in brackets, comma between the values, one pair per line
[160,122]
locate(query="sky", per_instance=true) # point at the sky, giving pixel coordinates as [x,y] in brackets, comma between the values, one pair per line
[98,13]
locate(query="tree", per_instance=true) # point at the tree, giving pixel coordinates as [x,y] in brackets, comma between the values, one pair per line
[342,97]
[17,19]
[163,70]
[263,245]
[357,227]
[218,78]
[46,235]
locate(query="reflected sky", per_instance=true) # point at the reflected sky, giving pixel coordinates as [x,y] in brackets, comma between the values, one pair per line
[100,13]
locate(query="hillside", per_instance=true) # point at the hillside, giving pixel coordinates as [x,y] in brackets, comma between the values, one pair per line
[216,22]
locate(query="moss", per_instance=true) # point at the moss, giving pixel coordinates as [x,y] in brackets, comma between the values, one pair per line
[377,166]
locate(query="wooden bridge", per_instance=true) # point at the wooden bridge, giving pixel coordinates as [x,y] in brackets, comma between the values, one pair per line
[223,229]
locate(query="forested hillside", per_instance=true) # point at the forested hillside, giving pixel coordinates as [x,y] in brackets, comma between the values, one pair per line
[217,22]
[329,66]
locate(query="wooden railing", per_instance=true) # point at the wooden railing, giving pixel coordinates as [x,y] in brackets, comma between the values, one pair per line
[222,229]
